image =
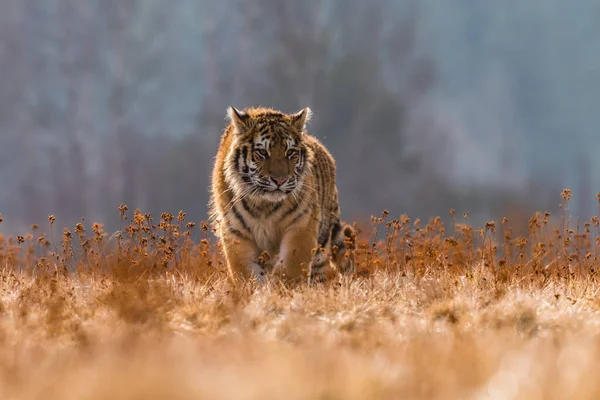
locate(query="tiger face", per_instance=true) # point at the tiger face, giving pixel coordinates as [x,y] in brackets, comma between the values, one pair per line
[269,158]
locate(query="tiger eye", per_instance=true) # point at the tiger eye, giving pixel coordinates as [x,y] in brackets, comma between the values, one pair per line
[262,153]
[292,154]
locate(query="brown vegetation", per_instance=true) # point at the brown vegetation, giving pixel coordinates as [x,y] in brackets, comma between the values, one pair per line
[432,313]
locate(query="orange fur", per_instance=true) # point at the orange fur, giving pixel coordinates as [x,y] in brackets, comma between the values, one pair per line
[273,189]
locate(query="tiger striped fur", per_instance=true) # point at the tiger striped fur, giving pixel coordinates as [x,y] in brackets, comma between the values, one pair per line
[273,190]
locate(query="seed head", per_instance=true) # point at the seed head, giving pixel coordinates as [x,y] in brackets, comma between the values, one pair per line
[79,229]
[122,210]
[167,217]
[138,217]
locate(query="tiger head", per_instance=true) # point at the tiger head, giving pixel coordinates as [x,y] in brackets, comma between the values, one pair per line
[269,158]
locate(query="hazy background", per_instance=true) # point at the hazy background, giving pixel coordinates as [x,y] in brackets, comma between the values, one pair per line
[489,107]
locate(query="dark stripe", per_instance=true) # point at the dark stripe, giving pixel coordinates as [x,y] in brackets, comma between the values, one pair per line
[319,179]
[260,126]
[271,208]
[249,209]
[237,233]
[300,164]
[322,186]
[235,159]
[291,210]
[240,218]
[245,168]
[340,244]
[323,237]
[335,230]
[277,206]
[297,217]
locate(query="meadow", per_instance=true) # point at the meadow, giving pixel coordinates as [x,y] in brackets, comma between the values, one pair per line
[432,312]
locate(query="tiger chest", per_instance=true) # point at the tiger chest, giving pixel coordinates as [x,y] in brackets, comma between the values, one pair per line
[267,235]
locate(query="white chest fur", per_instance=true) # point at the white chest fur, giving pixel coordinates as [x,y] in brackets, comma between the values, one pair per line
[267,235]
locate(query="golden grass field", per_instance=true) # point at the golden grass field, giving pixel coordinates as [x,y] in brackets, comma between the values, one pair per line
[433,312]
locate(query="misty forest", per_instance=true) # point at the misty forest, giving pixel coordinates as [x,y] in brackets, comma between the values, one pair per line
[487,107]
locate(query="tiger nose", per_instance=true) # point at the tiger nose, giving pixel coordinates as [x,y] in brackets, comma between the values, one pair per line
[279,180]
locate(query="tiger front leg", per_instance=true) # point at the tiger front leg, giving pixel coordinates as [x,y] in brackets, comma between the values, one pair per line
[296,253]
[241,256]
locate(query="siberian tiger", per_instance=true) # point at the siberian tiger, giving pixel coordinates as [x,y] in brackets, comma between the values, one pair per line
[273,190]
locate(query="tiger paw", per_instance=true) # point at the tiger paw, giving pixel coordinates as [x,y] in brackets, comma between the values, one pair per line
[258,273]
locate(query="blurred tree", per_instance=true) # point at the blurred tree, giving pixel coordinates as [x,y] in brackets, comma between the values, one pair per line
[425,106]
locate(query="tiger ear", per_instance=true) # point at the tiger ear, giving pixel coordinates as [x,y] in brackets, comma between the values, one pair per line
[239,119]
[300,118]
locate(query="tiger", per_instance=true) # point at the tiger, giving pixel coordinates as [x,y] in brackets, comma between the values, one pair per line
[274,200]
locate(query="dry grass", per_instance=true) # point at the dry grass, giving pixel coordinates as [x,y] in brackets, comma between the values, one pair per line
[431,314]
